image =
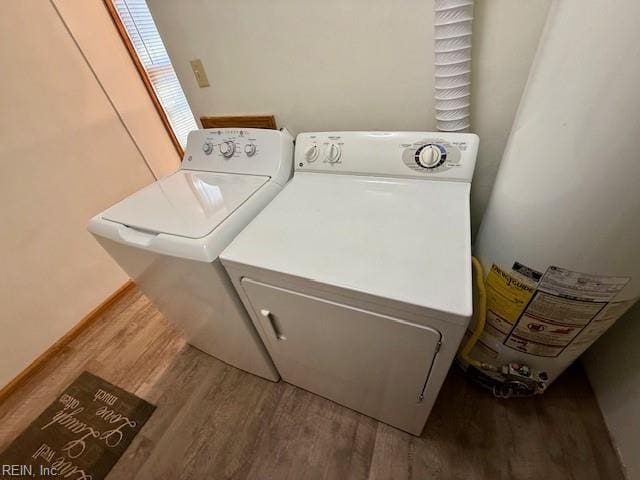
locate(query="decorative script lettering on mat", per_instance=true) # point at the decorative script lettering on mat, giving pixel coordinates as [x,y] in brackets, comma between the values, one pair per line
[80,436]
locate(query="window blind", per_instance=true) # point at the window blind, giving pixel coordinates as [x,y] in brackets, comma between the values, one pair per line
[138,22]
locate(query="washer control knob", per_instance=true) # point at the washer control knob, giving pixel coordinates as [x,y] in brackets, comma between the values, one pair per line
[430,156]
[227,149]
[250,149]
[207,148]
[333,153]
[311,153]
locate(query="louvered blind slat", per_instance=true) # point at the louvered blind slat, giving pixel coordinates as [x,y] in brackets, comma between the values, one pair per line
[142,31]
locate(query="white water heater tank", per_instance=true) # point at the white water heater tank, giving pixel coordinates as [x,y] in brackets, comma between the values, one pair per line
[560,240]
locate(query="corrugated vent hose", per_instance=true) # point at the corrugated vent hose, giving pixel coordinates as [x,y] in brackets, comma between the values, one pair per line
[452,33]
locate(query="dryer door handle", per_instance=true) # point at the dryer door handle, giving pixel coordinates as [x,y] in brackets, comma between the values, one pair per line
[274,326]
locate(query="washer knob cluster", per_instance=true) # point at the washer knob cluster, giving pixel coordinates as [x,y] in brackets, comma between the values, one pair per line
[227,148]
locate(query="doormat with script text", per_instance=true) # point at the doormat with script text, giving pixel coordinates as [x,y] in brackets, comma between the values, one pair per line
[80,436]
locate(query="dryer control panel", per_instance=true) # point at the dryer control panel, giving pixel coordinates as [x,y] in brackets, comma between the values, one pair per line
[251,151]
[429,155]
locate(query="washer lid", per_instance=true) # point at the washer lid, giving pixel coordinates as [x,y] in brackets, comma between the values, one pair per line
[187,204]
[407,240]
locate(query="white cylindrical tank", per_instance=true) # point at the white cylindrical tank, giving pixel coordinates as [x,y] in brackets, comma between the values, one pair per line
[560,240]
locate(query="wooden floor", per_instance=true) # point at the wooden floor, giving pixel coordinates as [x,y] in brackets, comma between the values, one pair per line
[216,422]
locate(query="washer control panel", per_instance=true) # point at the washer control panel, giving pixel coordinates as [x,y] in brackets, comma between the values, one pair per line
[437,156]
[231,150]
[227,147]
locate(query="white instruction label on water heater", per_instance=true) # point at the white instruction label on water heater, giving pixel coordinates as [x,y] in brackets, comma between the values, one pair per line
[614,310]
[544,332]
[581,286]
[605,319]
[568,310]
[550,323]
[564,311]
[532,348]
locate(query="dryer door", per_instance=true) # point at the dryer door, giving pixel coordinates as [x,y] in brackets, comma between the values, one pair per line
[372,363]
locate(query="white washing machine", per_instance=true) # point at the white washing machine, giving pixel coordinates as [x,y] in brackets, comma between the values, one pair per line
[168,236]
[358,275]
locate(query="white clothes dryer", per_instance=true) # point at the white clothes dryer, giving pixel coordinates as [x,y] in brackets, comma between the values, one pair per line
[358,274]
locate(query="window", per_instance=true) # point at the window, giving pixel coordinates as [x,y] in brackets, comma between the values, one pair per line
[139,32]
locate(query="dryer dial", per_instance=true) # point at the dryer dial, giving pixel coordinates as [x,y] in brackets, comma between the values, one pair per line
[431,155]
[311,153]
[333,153]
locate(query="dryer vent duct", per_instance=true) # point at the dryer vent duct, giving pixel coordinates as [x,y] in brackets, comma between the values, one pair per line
[452,33]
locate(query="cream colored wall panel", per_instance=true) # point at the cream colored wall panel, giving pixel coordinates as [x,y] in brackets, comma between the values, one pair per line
[330,65]
[65,156]
[94,30]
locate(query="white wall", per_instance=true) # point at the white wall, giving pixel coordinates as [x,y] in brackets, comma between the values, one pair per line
[65,156]
[309,63]
[353,65]
[613,367]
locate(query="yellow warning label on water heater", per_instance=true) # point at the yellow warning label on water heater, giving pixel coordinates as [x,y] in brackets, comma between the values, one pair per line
[507,295]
